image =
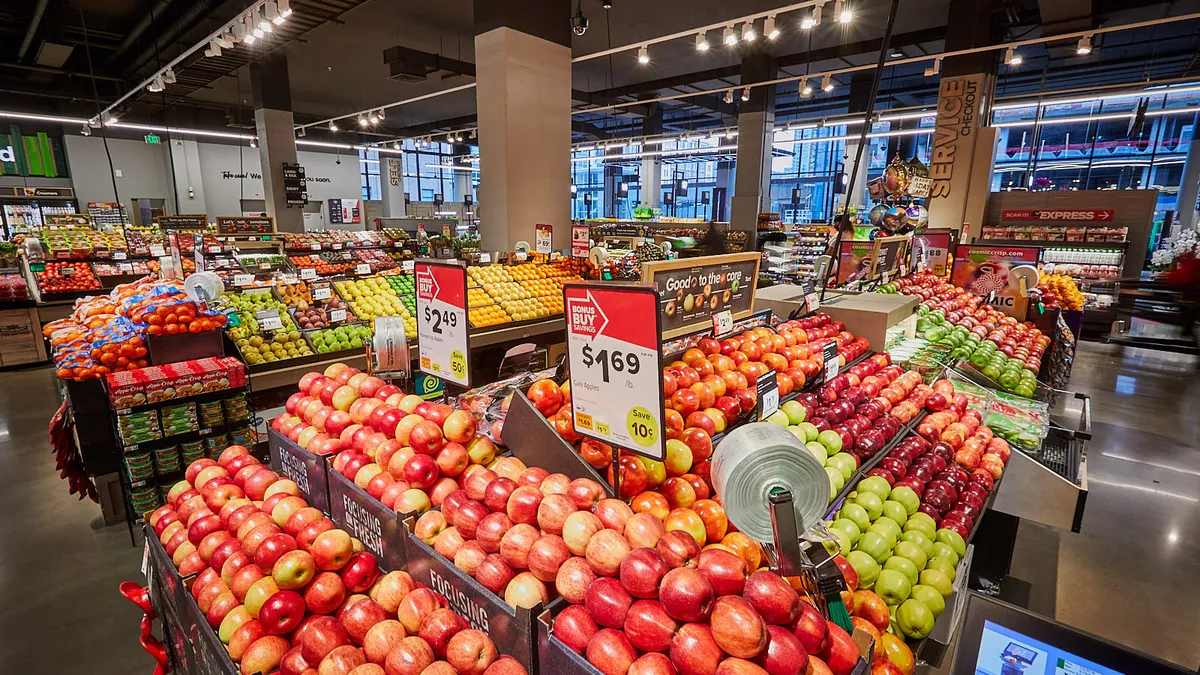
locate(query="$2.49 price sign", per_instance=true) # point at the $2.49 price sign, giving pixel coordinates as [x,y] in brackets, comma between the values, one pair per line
[616,367]
[442,320]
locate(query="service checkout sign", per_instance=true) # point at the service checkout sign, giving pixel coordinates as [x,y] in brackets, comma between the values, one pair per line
[442,320]
[616,366]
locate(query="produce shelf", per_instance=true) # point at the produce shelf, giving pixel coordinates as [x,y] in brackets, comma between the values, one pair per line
[189,436]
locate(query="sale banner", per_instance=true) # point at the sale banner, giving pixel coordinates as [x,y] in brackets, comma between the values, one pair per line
[442,320]
[616,365]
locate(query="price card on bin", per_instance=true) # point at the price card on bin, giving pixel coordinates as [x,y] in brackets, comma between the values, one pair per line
[616,367]
[442,320]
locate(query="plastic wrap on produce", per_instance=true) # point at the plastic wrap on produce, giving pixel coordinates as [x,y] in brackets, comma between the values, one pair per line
[489,403]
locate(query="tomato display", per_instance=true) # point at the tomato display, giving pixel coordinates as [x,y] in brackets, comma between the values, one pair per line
[67,277]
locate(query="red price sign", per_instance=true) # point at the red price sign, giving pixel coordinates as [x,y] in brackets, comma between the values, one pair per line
[442,320]
[616,365]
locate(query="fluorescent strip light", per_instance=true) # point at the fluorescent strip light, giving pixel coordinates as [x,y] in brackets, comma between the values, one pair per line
[1086,99]
[43,118]
[178,130]
[456,168]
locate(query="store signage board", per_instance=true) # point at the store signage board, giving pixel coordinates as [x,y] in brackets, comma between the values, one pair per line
[245,225]
[693,289]
[886,256]
[429,387]
[23,192]
[854,261]
[984,270]
[307,470]
[81,220]
[182,223]
[1060,215]
[580,241]
[931,249]
[767,387]
[616,365]
[442,320]
[543,234]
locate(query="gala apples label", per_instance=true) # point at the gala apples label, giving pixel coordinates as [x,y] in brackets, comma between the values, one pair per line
[442,320]
[616,366]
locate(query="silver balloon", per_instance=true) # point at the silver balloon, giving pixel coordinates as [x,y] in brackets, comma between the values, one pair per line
[875,215]
[919,215]
[894,219]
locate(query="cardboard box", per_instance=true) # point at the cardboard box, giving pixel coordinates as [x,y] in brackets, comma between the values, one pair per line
[126,388]
[870,315]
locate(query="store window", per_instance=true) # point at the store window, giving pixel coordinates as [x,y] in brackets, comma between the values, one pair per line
[368,163]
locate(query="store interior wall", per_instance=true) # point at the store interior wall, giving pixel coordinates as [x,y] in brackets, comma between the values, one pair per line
[144,170]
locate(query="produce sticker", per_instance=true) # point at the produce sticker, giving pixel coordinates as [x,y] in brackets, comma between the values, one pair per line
[442,320]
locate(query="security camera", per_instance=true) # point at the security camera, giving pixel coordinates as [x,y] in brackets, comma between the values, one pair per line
[579,22]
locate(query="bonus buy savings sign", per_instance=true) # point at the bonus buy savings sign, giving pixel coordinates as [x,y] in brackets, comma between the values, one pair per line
[442,320]
[616,369]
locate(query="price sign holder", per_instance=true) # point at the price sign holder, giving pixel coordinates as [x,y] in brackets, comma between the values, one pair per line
[322,292]
[268,319]
[442,343]
[830,355]
[337,315]
[198,250]
[119,255]
[722,323]
[368,520]
[243,279]
[308,273]
[767,387]
[616,365]
[362,269]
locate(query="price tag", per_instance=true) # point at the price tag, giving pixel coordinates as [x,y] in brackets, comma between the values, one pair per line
[442,321]
[768,395]
[63,255]
[616,367]
[120,255]
[243,279]
[362,269]
[886,277]
[125,267]
[145,557]
[288,278]
[542,236]
[830,354]
[390,346]
[214,249]
[268,319]
[251,238]
[722,322]
[264,266]
[336,246]
[407,266]
[308,273]
[157,250]
[67,271]
[485,258]
[314,247]
[813,301]
[337,315]
[322,293]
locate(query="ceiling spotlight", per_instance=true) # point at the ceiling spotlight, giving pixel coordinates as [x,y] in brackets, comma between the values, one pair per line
[156,85]
[729,133]
[809,22]
[827,84]
[746,94]
[1085,46]
[253,142]
[396,145]
[382,114]
[252,33]
[474,133]
[333,126]
[285,8]
[579,22]
[606,4]
[302,133]
[805,88]
[896,54]
[729,36]
[1012,58]
[271,12]
[373,118]
[214,49]
[934,69]
[769,28]
[643,55]
[702,42]
[226,41]
[843,13]
[264,23]
[362,121]
[168,76]
[748,33]
[86,130]
[728,96]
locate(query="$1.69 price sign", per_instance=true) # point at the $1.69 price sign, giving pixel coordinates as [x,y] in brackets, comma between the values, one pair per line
[442,320]
[616,367]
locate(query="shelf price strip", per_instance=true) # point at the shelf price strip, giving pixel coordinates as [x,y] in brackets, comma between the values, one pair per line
[616,366]
[442,321]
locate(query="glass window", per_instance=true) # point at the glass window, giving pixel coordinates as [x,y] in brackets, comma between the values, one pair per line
[368,164]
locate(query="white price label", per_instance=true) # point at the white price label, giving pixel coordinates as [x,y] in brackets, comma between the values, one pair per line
[288,278]
[442,321]
[322,293]
[145,558]
[407,266]
[813,301]
[768,394]
[541,241]
[308,273]
[390,345]
[268,319]
[214,249]
[119,255]
[886,277]
[362,269]
[485,258]
[264,266]
[830,353]
[243,279]
[336,246]
[337,315]
[314,247]
[67,271]
[125,267]
[157,250]
[722,322]
[616,373]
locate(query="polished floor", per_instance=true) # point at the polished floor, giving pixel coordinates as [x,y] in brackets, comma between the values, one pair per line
[1130,575]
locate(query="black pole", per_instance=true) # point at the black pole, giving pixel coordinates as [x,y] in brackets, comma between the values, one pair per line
[844,221]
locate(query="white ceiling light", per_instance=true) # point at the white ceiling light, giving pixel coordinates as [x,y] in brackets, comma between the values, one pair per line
[256,28]
[746,94]
[934,69]
[333,126]
[168,76]
[1085,46]
[253,142]
[728,96]
[252,31]
[729,36]
[813,18]
[702,42]
[843,13]
[264,22]
[382,114]
[396,145]
[373,118]
[362,121]
[827,84]
[748,34]
[156,85]
[214,49]
[643,55]
[285,8]
[271,12]
[770,29]
[805,88]
[1012,58]
[226,40]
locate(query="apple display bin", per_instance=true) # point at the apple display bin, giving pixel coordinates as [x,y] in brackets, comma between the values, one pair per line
[530,438]
[186,347]
[513,629]
[310,472]
[861,472]
[366,518]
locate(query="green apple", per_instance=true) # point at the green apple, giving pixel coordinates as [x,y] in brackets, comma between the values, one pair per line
[912,551]
[929,596]
[941,565]
[794,411]
[848,526]
[817,451]
[778,417]
[918,537]
[923,522]
[810,431]
[831,440]
[942,550]
[836,481]
[896,511]
[954,539]
[798,433]
[892,586]
[906,496]
[843,462]
[871,502]
[856,514]
[876,485]
[903,565]
[865,566]
[843,543]
[875,545]
[914,618]
[888,528]
[938,580]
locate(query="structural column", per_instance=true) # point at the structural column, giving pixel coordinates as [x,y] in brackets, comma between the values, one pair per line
[1189,184]
[651,172]
[523,76]
[391,182]
[276,137]
[756,135]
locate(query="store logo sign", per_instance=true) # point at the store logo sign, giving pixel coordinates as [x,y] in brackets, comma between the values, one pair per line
[7,154]
[957,119]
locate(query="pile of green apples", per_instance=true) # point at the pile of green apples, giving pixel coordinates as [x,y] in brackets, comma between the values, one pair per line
[825,446]
[1011,373]
[899,553]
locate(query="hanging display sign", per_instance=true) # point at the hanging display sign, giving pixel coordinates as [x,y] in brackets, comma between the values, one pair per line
[692,290]
[580,242]
[245,225]
[542,241]
[37,192]
[854,261]
[616,365]
[442,320]
[69,219]
[182,223]
[886,257]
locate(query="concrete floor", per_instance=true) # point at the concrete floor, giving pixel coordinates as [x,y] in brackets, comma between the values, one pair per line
[1128,576]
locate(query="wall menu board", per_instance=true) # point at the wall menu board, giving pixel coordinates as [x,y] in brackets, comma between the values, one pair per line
[931,249]
[245,225]
[24,192]
[887,254]
[854,261]
[690,291]
[182,223]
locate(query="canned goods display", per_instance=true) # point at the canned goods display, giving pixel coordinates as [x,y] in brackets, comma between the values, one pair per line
[192,451]
[139,427]
[236,408]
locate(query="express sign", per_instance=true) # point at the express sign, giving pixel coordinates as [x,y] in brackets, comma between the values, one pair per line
[1061,215]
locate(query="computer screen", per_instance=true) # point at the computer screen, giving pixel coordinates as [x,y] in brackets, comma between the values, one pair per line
[1003,651]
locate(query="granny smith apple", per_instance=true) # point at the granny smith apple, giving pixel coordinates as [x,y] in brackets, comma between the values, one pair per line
[876,485]
[798,433]
[918,537]
[836,481]
[892,586]
[928,596]
[923,522]
[857,514]
[848,526]
[942,550]
[843,462]
[818,451]
[887,527]
[912,551]
[914,618]
[810,431]
[875,545]
[906,496]
[896,511]
[871,502]
[938,580]
[865,566]
[778,417]
[903,565]
[954,539]
[831,440]
[941,565]
[794,411]
[843,543]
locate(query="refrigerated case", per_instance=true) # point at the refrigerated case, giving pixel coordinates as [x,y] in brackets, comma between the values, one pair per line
[25,208]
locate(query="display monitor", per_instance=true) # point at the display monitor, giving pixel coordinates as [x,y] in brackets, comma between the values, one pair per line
[997,638]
